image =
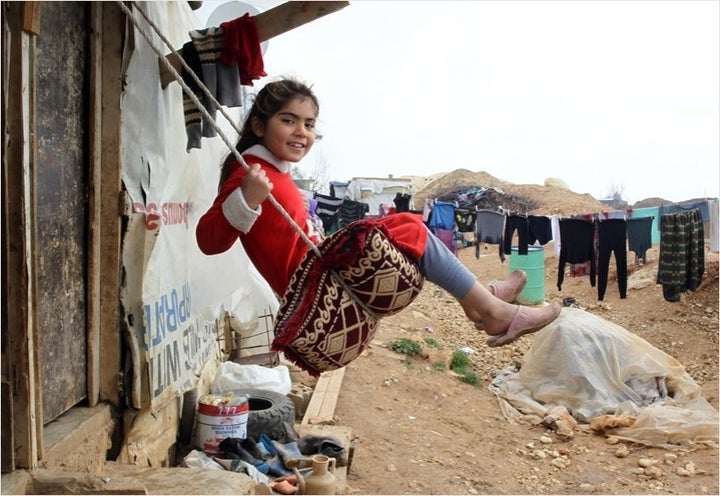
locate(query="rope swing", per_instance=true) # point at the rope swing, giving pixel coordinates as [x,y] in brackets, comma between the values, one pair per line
[178,77]
[334,300]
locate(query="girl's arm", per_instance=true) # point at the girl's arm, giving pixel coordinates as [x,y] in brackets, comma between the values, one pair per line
[234,211]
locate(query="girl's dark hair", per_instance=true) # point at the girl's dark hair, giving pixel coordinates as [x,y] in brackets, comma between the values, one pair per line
[268,102]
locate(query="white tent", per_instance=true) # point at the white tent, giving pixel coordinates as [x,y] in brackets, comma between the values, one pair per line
[376,192]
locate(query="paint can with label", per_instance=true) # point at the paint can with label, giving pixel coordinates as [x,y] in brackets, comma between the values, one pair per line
[220,416]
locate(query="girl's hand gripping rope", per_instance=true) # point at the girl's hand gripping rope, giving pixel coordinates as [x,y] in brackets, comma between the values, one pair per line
[256,186]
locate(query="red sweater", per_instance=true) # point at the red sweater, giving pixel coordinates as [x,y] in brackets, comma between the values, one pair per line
[272,244]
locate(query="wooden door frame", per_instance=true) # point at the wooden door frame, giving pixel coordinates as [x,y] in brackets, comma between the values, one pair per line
[22,442]
[20,381]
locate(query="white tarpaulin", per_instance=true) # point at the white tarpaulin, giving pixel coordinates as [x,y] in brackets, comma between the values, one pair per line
[376,192]
[172,294]
[593,368]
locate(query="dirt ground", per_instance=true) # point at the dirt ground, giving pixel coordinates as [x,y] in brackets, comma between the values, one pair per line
[421,430]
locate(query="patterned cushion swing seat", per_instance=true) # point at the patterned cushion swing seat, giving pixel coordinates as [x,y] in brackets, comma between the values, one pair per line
[331,308]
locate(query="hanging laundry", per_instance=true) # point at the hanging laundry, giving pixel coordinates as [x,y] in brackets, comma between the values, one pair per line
[402,202]
[442,215]
[583,268]
[577,237]
[615,214]
[427,211]
[714,227]
[223,58]
[193,116]
[350,211]
[682,253]
[687,207]
[241,48]
[328,209]
[222,80]
[517,222]
[539,229]
[447,236]
[654,213]
[465,220]
[612,234]
[314,221]
[639,233]
[489,228]
[555,227]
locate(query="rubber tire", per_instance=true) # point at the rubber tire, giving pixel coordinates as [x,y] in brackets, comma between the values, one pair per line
[268,413]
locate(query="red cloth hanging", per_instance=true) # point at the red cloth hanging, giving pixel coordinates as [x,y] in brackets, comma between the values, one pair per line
[241,47]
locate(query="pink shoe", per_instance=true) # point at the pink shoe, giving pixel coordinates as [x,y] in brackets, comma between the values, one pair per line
[526,320]
[506,290]
[511,287]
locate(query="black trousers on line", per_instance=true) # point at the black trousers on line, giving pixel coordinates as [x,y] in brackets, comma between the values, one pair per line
[519,222]
[612,238]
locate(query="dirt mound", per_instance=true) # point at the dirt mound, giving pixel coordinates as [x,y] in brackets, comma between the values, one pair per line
[651,202]
[527,198]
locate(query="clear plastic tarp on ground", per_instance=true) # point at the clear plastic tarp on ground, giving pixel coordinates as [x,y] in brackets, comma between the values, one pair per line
[594,368]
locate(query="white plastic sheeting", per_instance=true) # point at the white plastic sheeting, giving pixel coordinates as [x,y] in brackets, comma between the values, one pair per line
[376,192]
[173,295]
[593,367]
[232,376]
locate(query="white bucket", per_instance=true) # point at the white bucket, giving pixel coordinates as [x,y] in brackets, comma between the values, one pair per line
[220,416]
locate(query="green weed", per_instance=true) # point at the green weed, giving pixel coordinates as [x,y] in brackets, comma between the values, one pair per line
[406,346]
[460,364]
[433,343]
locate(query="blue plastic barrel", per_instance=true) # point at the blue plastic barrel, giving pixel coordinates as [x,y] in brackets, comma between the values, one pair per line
[534,266]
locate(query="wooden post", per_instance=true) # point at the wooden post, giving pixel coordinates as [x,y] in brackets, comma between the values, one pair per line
[321,408]
[31,17]
[94,206]
[271,23]
[109,189]
[21,410]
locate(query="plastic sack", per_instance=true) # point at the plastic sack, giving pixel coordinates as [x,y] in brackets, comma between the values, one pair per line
[198,459]
[232,376]
[593,367]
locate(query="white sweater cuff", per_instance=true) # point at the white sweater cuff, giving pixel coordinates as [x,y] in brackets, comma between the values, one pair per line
[238,212]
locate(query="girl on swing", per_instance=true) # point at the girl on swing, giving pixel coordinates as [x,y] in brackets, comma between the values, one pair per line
[278,132]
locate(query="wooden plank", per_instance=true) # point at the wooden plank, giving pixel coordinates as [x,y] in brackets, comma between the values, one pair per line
[31,17]
[94,206]
[321,407]
[60,230]
[110,187]
[290,15]
[11,239]
[271,23]
[30,111]
[18,350]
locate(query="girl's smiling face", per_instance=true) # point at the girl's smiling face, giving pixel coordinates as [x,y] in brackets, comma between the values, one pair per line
[290,133]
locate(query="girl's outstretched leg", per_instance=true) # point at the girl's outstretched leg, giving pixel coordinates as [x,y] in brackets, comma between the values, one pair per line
[501,320]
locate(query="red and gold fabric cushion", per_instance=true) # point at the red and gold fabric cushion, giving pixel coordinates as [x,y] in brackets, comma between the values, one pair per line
[322,325]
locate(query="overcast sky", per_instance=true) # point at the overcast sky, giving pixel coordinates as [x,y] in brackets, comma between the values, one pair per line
[605,95]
